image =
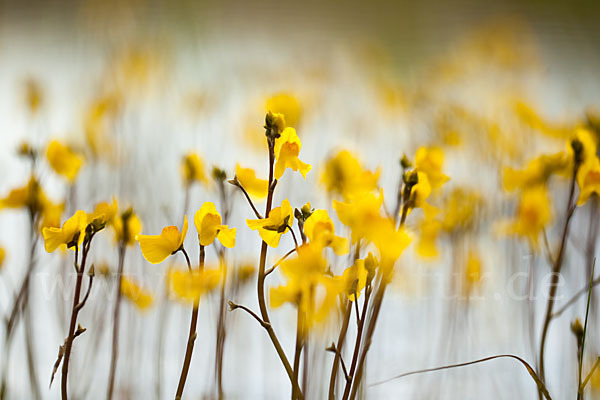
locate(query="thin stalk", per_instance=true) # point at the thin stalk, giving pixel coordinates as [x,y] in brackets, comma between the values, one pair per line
[192,333]
[340,343]
[590,374]
[297,352]
[528,367]
[116,319]
[261,280]
[73,324]
[20,306]
[357,344]
[585,324]
[378,300]
[556,271]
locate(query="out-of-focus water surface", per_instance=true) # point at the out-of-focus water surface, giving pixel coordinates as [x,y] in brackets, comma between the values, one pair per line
[378,78]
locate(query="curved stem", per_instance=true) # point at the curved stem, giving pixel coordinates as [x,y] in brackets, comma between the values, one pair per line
[528,367]
[260,286]
[192,333]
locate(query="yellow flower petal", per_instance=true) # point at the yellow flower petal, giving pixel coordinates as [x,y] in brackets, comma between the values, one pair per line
[134,293]
[156,248]
[256,188]
[63,160]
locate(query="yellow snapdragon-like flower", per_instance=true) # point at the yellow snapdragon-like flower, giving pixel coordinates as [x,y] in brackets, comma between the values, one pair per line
[473,270]
[390,242]
[156,248]
[208,225]
[287,149]
[537,171]
[588,179]
[355,279]
[319,229]
[286,104]
[2,256]
[127,226]
[430,161]
[105,210]
[137,295]
[533,214]
[359,214]
[257,188]
[71,232]
[270,229]
[189,286]
[343,175]
[429,231]
[97,123]
[30,196]
[63,160]
[305,276]
[193,170]
[34,96]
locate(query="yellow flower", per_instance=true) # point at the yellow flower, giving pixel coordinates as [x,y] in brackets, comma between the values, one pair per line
[537,171]
[460,209]
[533,214]
[138,296]
[255,187]
[355,279]
[208,225]
[429,230]
[68,234]
[63,160]
[192,169]
[305,277]
[287,149]
[97,123]
[343,175]
[286,104]
[390,242]
[105,211]
[270,229]
[189,286]
[30,196]
[588,179]
[51,214]
[473,269]
[359,214]
[127,226]
[34,98]
[320,230]
[2,257]
[156,248]
[430,161]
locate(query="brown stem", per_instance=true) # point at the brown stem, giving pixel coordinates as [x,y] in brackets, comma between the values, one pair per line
[555,273]
[261,280]
[116,319]
[357,343]
[192,333]
[368,338]
[73,324]
[340,343]
[297,352]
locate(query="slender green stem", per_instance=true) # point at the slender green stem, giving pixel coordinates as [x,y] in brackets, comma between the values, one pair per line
[298,351]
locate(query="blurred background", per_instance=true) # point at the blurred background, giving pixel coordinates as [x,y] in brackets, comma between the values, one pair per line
[134,85]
